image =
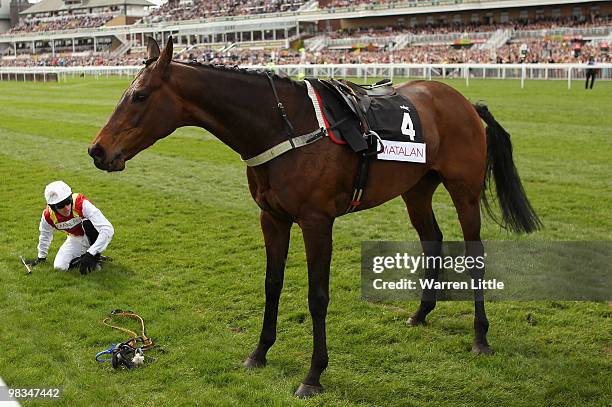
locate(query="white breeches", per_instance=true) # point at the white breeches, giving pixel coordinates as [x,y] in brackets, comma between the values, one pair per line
[73,247]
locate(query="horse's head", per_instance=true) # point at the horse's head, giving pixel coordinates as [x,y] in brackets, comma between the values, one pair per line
[148,111]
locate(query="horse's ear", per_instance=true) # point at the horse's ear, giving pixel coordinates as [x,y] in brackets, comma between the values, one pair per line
[152,48]
[166,57]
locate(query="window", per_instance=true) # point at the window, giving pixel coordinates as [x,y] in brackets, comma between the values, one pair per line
[457,19]
[503,17]
[524,15]
[556,13]
[475,18]
[577,12]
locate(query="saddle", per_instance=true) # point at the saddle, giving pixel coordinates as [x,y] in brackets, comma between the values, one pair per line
[380,88]
[359,97]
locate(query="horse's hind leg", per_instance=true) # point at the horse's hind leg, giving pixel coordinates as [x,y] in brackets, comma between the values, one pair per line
[418,202]
[276,236]
[466,197]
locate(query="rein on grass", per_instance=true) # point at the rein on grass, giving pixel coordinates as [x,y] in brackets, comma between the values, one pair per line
[127,353]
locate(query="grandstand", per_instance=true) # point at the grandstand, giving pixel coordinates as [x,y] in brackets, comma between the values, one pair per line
[259,32]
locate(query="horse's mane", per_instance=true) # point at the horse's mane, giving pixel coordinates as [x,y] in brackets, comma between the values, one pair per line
[236,69]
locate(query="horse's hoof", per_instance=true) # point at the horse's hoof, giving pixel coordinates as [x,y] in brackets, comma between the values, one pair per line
[306,391]
[251,363]
[481,349]
[412,321]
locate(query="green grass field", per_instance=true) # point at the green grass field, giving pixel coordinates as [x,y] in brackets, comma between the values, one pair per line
[189,258]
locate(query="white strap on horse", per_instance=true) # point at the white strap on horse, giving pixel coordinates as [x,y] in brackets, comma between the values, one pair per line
[285,146]
[295,142]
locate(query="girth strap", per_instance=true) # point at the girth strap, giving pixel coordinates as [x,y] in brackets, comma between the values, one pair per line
[360,182]
[363,168]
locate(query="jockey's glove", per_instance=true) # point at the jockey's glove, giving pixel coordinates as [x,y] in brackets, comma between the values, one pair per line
[33,262]
[87,263]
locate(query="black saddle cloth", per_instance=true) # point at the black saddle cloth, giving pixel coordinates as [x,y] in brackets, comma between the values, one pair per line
[386,118]
[385,115]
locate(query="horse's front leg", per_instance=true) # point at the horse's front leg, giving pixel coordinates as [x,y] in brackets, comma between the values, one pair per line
[276,236]
[317,231]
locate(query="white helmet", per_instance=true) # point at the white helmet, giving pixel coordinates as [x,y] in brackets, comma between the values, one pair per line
[56,192]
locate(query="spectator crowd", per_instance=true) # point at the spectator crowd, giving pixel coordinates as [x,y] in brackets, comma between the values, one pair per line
[334,4]
[69,22]
[172,11]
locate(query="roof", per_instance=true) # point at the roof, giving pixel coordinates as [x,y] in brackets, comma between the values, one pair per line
[46,6]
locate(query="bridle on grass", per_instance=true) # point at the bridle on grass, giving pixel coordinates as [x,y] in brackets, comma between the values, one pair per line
[127,353]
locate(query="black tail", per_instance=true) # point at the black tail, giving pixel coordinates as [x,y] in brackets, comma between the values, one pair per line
[517,213]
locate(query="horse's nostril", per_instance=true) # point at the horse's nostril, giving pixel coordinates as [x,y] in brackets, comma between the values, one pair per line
[97,152]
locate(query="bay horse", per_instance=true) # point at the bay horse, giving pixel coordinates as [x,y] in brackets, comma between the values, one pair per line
[312,185]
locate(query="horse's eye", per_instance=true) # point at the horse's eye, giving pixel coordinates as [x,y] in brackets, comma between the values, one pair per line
[139,97]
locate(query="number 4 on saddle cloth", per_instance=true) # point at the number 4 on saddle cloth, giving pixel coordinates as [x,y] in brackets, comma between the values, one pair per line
[351,112]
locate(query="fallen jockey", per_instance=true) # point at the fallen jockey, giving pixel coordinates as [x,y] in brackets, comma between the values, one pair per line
[89,232]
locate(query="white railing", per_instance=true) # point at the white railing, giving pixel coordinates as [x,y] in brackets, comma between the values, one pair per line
[227,47]
[186,49]
[450,37]
[499,38]
[122,49]
[267,44]
[467,72]
[402,41]
[563,31]
[309,6]
[315,43]
[347,42]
